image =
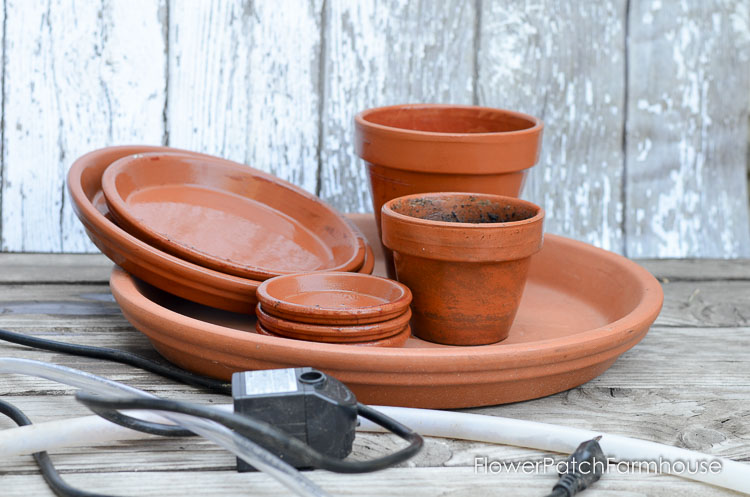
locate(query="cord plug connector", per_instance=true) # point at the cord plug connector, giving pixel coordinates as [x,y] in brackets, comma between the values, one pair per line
[582,468]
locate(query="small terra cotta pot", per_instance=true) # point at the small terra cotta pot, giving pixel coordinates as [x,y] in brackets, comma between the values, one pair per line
[465,258]
[438,148]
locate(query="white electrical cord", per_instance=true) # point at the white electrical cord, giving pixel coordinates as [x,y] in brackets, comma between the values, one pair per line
[255,455]
[733,475]
[445,424]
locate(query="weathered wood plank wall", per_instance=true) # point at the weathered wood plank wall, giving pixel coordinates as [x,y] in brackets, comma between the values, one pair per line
[645,101]
[381,53]
[244,83]
[564,62]
[77,75]
[685,184]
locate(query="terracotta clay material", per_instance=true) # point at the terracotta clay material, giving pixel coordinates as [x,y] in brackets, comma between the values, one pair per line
[582,308]
[332,333]
[465,258]
[333,298]
[438,148]
[395,340]
[228,217]
[180,277]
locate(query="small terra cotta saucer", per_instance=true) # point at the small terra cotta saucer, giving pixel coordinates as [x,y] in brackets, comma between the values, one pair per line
[333,298]
[397,340]
[332,333]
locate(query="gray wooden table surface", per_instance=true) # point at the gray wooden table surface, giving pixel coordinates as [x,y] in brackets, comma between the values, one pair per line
[687,384]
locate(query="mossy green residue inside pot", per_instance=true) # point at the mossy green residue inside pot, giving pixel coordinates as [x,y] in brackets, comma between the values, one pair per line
[467,209]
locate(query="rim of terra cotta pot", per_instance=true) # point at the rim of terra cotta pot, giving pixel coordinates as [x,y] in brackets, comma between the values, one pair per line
[462,241]
[341,333]
[509,141]
[273,297]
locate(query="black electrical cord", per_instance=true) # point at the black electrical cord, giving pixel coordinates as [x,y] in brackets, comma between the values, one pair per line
[167,371]
[273,436]
[582,468]
[136,424]
[49,473]
[270,437]
[573,481]
[120,356]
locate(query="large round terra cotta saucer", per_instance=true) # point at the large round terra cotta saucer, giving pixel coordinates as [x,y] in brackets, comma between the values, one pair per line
[163,270]
[228,216]
[582,308]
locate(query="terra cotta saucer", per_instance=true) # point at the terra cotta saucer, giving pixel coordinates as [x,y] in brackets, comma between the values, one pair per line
[583,307]
[179,277]
[228,216]
[333,333]
[395,340]
[334,298]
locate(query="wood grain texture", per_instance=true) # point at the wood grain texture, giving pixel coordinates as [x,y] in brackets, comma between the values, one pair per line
[244,83]
[685,384]
[458,482]
[78,76]
[643,156]
[381,53]
[706,303]
[62,268]
[564,62]
[95,268]
[698,269]
[688,80]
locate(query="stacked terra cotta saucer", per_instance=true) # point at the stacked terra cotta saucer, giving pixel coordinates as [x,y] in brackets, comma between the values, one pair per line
[330,307]
[207,229]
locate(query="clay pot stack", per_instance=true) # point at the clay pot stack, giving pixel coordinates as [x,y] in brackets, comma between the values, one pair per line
[444,181]
[425,148]
[342,308]
[207,229]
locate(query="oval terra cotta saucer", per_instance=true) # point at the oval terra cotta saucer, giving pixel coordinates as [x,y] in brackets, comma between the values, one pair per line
[397,340]
[332,333]
[227,216]
[180,277]
[334,298]
[582,308]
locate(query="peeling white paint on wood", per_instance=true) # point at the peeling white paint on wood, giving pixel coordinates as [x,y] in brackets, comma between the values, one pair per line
[276,85]
[78,75]
[243,83]
[564,62]
[687,128]
[382,53]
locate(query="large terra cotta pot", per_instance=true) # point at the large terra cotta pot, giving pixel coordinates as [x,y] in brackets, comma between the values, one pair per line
[465,258]
[437,148]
